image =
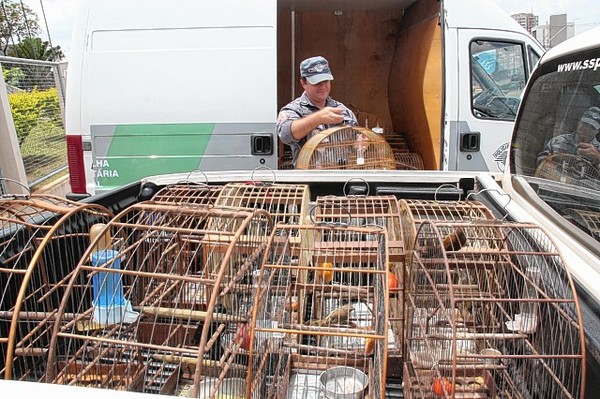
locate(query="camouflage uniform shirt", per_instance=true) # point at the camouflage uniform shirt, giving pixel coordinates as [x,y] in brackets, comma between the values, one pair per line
[299,108]
[563,144]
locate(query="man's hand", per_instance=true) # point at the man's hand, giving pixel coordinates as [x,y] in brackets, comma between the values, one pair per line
[589,152]
[331,116]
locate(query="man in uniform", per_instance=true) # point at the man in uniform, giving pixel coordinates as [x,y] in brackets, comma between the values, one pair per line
[314,110]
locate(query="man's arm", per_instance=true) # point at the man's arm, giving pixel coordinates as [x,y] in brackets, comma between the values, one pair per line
[327,116]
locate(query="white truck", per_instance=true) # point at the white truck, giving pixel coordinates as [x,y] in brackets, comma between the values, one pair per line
[197,86]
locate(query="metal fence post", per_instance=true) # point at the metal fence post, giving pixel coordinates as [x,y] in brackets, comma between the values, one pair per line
[11,162]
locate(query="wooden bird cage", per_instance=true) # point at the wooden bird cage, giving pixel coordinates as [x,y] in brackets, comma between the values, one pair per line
[346,148]
[496,316]
[287,203]
[145,312]
[589,221]
[408,161]
[382,211]
[570,169]
[321,308]
[200,194]
[41,240]
[397,141]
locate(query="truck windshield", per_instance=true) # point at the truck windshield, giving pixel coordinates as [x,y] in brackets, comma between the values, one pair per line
[556,138]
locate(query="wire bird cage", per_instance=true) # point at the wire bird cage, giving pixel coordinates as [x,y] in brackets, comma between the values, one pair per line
[397,141]
[408,161]
[346,148]
[320,316]
[589,221]
[41,240]
[381,211]
[287,203]
[146,309]
[571,169]
[187,193]
[494,315]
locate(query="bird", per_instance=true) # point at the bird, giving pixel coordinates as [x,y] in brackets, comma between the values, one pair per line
[338,316]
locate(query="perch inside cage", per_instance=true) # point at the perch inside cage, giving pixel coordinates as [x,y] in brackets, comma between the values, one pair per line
[346,148]
[41,241]
[165,306]
[321,313]
[494,313]
[381,211]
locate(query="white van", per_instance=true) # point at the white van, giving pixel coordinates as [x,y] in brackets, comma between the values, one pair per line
[197,85]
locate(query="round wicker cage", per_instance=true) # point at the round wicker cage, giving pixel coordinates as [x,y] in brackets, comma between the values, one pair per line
[408,161]
[346,148]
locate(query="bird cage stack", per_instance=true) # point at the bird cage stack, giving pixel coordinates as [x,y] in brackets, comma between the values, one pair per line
[144,312]
[381,211]
[493,314]
[320,316]
[200,194]
[41,241]
[287,203]
[346,148]
[570,169]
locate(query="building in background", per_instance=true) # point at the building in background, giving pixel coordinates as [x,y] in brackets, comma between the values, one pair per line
[556,31]
[527,20]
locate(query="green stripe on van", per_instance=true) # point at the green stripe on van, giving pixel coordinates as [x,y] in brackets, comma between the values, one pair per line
[137,151]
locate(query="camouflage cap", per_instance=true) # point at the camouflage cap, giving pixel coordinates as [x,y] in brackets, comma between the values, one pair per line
[315,70]
[591,116]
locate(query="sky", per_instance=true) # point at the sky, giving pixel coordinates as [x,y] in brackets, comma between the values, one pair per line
[584,13]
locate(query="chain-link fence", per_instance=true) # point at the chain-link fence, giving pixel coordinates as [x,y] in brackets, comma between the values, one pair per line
[35,92]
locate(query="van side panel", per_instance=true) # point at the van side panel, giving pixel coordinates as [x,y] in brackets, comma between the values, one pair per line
[416,83]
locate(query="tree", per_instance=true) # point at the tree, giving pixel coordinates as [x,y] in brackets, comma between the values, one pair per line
[36,49]
[17,22]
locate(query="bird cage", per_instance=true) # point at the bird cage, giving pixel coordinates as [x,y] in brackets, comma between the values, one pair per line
[41,240]
[287,203]
[382,211]
[320,315]
[346,148]
[408,161]
[397,141]
[372,121]
[494,316]
[143,313]
[571,169]
[589,221]
[200,194]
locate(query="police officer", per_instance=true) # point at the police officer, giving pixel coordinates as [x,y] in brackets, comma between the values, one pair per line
[582,142]
[314,110]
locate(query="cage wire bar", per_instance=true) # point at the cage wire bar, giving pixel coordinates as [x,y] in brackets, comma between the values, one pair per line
[495,316]
[42,238]
[381,211]
[161,302]
[188,193]
[321,313]
[346,148]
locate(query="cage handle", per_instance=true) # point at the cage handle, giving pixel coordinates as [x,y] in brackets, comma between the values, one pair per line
[359,179]
[311,214]
[263,167]
[446,185]
[26,187]
[187,179]
[498,192]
